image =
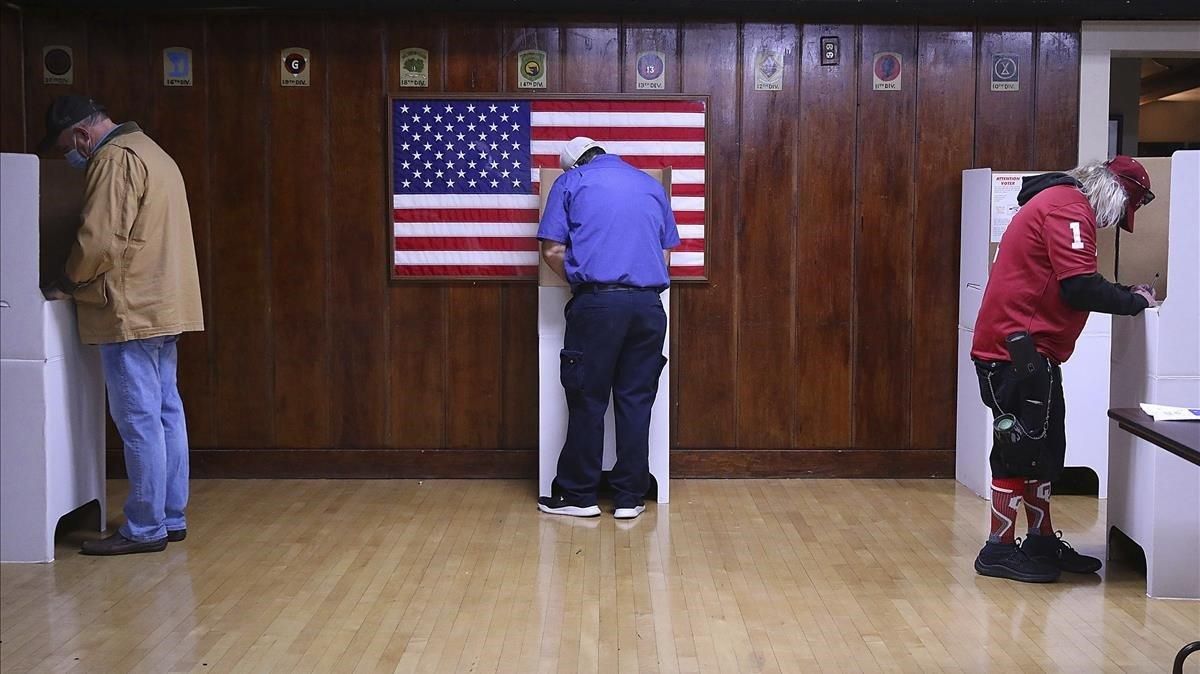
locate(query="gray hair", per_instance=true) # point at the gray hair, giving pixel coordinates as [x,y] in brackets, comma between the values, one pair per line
[91,120]
[1103,192]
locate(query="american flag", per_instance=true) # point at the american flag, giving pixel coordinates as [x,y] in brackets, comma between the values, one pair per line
[465,176]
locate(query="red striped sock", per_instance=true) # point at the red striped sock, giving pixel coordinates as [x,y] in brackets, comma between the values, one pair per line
[1037,507]
[1006,503]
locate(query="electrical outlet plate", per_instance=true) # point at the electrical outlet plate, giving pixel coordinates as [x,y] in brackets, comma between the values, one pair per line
[831,51]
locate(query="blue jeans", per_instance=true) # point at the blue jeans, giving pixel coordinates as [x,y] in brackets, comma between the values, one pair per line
[613,344]
[144,401]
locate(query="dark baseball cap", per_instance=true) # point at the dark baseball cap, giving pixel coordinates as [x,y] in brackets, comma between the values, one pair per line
[1136,182]
[65,112]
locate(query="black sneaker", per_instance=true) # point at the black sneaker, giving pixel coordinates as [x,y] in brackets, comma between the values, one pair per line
[1056,552]
[1007,560]
[119,545]
[557,505]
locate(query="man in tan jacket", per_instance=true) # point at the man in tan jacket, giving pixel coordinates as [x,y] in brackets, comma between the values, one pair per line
[132,273]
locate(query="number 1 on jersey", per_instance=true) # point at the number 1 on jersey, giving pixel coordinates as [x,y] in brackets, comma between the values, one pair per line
[1077,244]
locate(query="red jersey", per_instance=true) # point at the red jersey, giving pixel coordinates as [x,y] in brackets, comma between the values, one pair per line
[1052,237]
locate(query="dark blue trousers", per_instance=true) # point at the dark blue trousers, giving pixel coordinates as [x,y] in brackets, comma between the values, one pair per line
[614,345]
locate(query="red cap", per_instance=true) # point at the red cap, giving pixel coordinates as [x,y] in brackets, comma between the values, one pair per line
[1133,177]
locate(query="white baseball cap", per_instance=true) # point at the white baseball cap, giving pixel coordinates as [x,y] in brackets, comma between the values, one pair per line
[574,149]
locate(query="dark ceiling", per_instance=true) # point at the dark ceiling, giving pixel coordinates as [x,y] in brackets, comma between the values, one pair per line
[862,10]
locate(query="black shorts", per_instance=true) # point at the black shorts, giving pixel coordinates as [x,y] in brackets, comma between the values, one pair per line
[1027,399]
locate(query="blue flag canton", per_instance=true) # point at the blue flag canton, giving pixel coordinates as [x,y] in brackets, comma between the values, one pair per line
[460,147]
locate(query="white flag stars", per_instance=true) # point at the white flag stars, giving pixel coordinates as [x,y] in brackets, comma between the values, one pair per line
[497,139]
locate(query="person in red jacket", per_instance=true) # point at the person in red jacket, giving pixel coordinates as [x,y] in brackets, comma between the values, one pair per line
[1043,284]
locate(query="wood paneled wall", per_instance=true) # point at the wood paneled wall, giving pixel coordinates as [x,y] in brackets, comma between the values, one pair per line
[12,89]
[823,345]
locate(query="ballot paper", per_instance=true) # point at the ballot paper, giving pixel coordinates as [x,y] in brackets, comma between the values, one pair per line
[1167,413]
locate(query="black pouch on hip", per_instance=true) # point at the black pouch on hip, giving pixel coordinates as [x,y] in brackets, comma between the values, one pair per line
[1013,447]
[1022,353]
[1019,432]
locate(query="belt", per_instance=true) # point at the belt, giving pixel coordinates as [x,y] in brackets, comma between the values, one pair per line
[993,365]
[610,288]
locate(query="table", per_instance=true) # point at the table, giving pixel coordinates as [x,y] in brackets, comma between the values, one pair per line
[1181,438]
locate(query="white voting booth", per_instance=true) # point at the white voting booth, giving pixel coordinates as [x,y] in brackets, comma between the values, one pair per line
[1154,495]
[553,294]
[989,201]
[51,386]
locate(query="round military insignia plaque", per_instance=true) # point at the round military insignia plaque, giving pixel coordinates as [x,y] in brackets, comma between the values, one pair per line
[651,69]
[887,70]
[58,65]
[294,67]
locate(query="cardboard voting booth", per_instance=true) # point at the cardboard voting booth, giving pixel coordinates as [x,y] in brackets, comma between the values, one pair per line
[52,397]
[989,201]
[1154,495]
[553,293]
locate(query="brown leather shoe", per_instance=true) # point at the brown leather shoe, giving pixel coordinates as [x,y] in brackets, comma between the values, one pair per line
[119,545]
[176,536]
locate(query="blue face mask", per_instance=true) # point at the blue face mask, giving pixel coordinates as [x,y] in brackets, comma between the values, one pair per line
[76,160]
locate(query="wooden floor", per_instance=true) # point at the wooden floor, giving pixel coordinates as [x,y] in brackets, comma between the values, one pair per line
[466,576]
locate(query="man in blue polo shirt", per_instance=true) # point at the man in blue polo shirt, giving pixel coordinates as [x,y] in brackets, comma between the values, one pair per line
[608,230]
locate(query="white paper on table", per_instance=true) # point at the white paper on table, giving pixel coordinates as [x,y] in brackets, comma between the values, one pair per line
[1168,413]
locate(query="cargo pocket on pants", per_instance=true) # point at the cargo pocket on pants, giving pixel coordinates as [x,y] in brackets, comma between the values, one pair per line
[570,370]
[662,362]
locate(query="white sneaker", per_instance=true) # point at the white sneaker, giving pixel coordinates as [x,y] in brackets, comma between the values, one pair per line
[629,513]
